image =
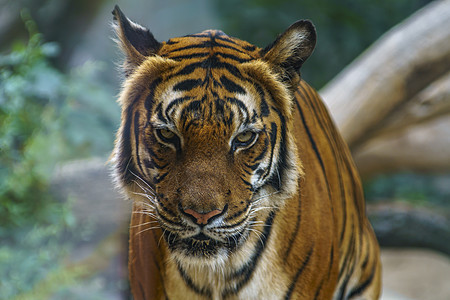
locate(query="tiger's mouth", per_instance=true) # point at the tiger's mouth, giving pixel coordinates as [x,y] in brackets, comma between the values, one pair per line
[201,245]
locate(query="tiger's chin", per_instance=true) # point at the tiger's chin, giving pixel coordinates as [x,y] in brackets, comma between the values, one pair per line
[202,249]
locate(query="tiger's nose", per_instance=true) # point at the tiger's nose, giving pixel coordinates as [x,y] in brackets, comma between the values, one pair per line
[202,218]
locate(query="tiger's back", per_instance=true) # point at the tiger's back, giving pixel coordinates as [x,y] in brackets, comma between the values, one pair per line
[243,187]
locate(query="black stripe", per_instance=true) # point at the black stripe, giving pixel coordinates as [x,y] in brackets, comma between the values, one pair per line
[242,108]
[358,290]
[124,161]
[193,107]
[314,146]
[190,56]
[214,62]
[294,234]
[187,85]
[231,86]
[199,290]
[337,155]
[297,275]
[142,290]
[202,45]
[281,164]
[247,172]
[240,104]
[229,47]
[234,57]
[351,265]
[158,179]
[171,42]
[136,141]
[207,44]
[237,224]
[219,107]
[174,102]
[234,216]
[334,145]
[151,152]
[252,167]
[264,151]
[273,140]
[264,107]
[366,259]
[245,273]
[168,211]
[330,266]
[247,183]
[348,252]
[187,69]
[313,143]
[319,289]
[249,48]
[225,38]
[151,164]
[149,100]
[160,113]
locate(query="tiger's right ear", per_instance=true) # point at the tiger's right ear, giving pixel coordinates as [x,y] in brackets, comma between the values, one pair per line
[136,41]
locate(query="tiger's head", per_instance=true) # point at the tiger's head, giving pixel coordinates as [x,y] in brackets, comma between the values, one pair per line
[205,141]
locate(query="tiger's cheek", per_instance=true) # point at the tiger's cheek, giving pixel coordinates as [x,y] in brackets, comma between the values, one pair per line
[160,162]
[254,162]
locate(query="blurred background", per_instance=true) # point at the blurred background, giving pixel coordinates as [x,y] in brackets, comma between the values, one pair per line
[63,227]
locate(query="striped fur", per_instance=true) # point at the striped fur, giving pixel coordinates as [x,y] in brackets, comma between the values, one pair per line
[213,124]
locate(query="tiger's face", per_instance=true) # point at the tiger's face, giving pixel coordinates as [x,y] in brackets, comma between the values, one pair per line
[205,140]
[207,146]
[208,161]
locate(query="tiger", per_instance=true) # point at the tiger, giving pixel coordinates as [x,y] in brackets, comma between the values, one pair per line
[241,185]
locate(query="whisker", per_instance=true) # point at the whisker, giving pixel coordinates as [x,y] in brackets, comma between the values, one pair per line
[159,242]
[265,196]
[143,224]
[145,213]
[235,241]
[258,233]
[255,222]
[147,229]
[262,207]
[144,188]
[138,177]
[152,200]
[150,207]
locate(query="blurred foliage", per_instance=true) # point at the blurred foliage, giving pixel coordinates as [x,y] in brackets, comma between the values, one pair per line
[27,256]
[344,28]
[417,189]
[45,117]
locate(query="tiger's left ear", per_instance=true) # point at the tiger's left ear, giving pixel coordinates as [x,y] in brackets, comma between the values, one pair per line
[291,49]
[136,41]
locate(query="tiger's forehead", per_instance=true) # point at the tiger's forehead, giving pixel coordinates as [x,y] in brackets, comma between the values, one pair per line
[206,82]
[209,44]
[204,105]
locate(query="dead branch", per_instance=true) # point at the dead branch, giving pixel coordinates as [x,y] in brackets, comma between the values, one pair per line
[390,73]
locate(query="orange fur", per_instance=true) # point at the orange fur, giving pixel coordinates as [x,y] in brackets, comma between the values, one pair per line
[242,186]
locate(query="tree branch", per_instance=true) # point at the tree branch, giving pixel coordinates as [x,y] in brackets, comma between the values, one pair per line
[432,102]
[402,225]
[391,72]
[422,148]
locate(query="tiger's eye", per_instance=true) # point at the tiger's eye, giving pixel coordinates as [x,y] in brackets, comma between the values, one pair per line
[245,137]
[167,134]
